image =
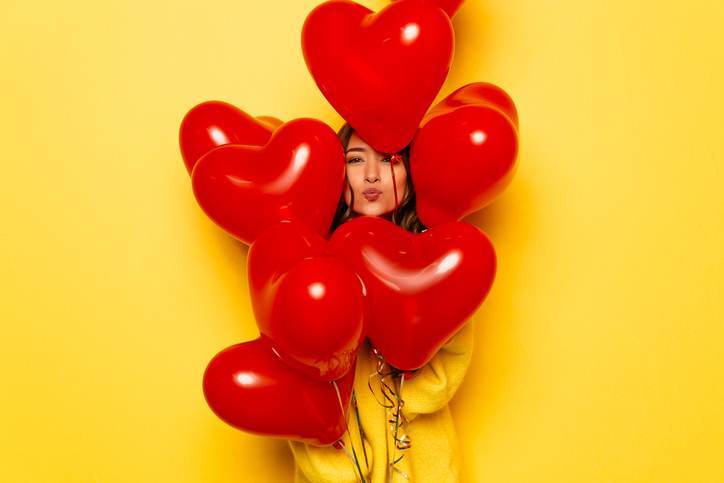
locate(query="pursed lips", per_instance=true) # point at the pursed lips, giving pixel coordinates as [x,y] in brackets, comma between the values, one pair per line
[372,191]
[371,194]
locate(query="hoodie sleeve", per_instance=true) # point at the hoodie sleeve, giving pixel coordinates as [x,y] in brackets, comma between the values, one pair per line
[434,384]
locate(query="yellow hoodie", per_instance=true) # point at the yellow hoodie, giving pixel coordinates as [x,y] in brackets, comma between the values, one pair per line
[434,453]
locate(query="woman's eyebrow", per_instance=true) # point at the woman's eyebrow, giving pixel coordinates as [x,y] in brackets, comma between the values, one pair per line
[355,149]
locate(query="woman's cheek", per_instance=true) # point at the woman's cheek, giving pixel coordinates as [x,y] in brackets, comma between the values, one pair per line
[401,185]
[347,194]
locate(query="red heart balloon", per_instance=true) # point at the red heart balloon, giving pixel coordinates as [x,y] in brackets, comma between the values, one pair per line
[464,154]
[420,288]
[450,6]
[309,305]
[380,71]
[215,123]
[297,175]
[249,388]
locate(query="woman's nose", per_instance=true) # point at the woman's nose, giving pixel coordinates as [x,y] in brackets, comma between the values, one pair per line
[372,171]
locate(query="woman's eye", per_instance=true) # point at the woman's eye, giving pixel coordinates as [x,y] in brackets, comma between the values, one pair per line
[353,160]
[387,159]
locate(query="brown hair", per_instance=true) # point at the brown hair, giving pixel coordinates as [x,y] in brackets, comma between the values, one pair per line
[404,215]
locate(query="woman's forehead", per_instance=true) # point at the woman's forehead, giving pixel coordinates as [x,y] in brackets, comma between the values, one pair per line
[356,143]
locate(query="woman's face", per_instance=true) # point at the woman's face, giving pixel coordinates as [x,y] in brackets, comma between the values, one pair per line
[370,178]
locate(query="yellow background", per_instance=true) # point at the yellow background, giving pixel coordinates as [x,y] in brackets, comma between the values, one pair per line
[598,352]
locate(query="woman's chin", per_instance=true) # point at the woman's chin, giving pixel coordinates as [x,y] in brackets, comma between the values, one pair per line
[374,209]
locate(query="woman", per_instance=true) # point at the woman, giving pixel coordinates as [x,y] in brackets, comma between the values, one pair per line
[379,184]
[371,189]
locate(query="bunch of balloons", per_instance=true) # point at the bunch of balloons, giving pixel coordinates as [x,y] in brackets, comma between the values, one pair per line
[275,186]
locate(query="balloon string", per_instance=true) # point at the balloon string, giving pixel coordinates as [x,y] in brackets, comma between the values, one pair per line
[349,455]
[385,389]
[403,442]
[361,430]
[354,453]
[394,183]
[381,374]
[397,420]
